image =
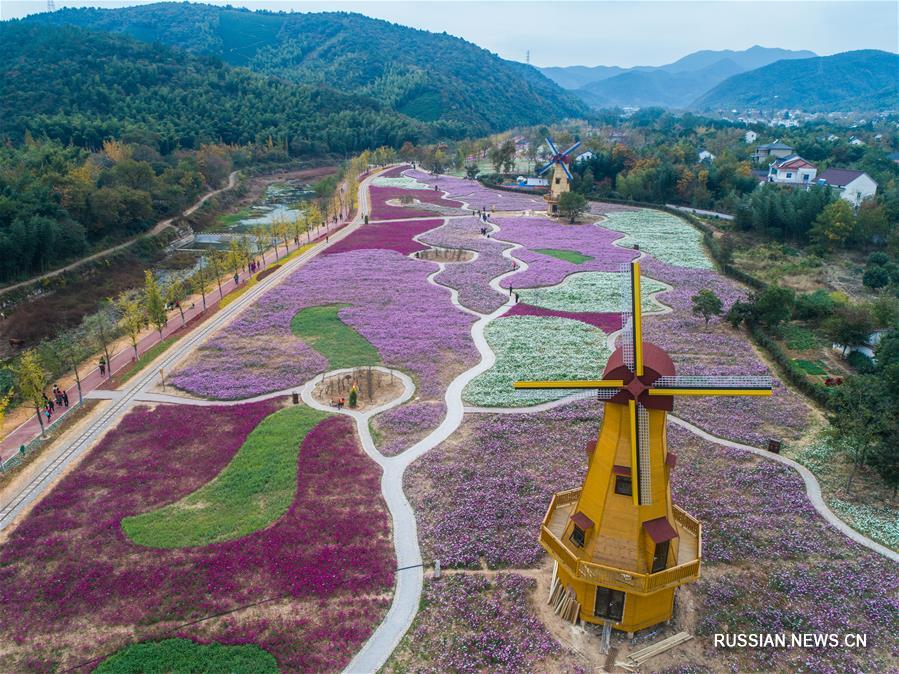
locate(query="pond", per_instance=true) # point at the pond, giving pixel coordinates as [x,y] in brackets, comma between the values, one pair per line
[281,201]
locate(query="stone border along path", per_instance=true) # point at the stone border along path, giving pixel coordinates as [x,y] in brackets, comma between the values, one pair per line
[104,419]
[410,571]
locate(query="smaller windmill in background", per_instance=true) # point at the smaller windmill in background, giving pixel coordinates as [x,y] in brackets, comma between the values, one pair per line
[560,182]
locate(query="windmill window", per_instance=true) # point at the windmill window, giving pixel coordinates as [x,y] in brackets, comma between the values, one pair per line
[609,604]
[582,524]
[623,485]
[558,181]
[578,536]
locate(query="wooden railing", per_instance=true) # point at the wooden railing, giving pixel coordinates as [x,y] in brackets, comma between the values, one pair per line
[616,578]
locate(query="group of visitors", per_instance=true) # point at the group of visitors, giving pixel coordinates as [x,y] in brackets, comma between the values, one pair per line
[60,399]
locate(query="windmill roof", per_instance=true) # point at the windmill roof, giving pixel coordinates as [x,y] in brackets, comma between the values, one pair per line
[660,530]
[582,521]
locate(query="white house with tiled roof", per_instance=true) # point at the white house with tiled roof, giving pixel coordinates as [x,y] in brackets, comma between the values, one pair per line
[853,186]
[792,170]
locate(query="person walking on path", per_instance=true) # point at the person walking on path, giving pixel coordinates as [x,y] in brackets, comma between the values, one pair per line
[102,367]
[65,398]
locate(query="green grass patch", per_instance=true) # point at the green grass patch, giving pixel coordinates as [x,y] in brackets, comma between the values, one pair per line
[252,491]
[184,655]
[322,329]
[799,338]
[568,255]
[146,358]
[232,219]
[811,367]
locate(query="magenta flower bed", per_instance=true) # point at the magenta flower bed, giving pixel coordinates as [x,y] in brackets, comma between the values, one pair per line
[607,322]
[472,279]
[472,624]
[68,563]
[386,235]
[408,320]
[473,195]
[381,210]
[546,270]
[399,428]
[718,349]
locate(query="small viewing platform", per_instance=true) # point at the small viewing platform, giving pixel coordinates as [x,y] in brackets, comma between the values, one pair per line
[606,571]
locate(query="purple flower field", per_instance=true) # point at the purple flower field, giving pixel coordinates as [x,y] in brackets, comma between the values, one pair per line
[473,624]
[475,196]
[73,587]
[772,564]
[381,210]
[718,349]
[541,232]
[385,235]
[401,427]
[607,322]
[471,279]
[409,321]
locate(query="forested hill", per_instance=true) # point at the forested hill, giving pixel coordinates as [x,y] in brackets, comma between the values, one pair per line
[83,87]
[855,80]
[433,77]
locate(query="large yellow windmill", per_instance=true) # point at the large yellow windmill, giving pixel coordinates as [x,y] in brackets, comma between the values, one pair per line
[620,546]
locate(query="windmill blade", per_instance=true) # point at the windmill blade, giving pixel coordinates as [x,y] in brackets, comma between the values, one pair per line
[644,474]
[545,169]
[572,148]
[549,395]
[641,469]
[552,146]
[709,385]
[571,384]
[626,340]
[567,171]
[636,318]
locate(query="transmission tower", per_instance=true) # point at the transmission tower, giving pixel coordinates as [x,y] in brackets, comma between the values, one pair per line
[51,6]
[527,54]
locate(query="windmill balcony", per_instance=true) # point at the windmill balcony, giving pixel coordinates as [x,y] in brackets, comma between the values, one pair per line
[689,552]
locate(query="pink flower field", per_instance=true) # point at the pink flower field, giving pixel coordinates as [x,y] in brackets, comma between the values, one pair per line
[542,232]
[607,322]
[74,588]
[387,235]
[381,210]
[474,195]
[408,320]
[471,279]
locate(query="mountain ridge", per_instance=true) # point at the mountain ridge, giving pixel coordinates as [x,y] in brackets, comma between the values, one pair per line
[672,85]
[861,80]
[433,77]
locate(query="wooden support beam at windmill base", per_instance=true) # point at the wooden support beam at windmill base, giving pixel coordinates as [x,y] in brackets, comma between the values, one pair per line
[620,546]
[560,182]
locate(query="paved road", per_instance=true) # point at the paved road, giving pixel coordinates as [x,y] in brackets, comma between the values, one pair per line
[101,420]
[157,228]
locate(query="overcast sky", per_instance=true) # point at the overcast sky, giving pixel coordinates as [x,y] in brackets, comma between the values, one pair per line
[607,33]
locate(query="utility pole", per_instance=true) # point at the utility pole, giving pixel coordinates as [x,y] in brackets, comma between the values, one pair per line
[527,54]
